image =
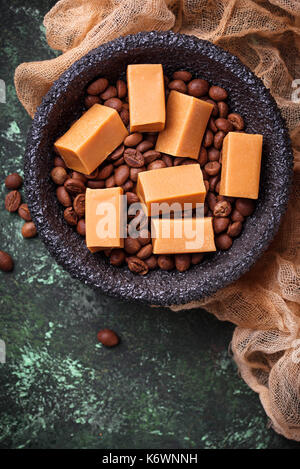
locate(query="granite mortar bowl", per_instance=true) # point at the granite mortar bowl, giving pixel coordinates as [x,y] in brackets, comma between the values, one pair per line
[247,96]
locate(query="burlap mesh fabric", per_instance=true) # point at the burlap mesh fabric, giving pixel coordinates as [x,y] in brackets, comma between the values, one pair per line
[265,35]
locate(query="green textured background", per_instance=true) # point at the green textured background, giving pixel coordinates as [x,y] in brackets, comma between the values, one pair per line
[170,384]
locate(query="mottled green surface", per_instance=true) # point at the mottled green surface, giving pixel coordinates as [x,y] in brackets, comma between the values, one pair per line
[170,384]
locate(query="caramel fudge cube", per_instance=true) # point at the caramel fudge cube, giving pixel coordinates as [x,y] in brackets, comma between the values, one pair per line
[186,121]
[160,189]
[91,139]
[241,161]
[146,96]
[104,218]
[182,235]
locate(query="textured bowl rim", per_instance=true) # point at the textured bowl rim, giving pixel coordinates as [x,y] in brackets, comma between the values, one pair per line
[139,290]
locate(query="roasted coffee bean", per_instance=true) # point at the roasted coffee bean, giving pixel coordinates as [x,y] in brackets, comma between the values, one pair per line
[135,171]
[245,206]
[110,182]
[133,158]
[215,111]
[157,164]
[74,186]
[144,237]
[236,120]
[114,103]
[220,224]
[138,266]
[121,174]
[6,262]
[197,257]
[90,100]
[132,198]
[213,181]
[13,181]
[145,145]
[124,114]
[117,153]
[213,154]
[133,139]
[13,201]
[217,188]
[58,161]
[95,184]
[208,138]
[29,230]
[151,262]
[70,216]
[223,241]
[107,252]
[79,204]
[212,125]
[119,162]
[151,155]
[168,160]
[151,136]
[93,175]
[202,158]
[165,262]
[198,87]
[121,89]
[98,86]
[178,161]
[222,209]
[105,171]
[204,174]
[211,200]
[131,245]
[237,216]
[81,227]
[206,183]
[24,213]
[177,85]
[212,168]
[223,109]
[77,175]
[63,196]
[127,186]
[224,124]
[182,75]
[182,262]
[145,252]
[235,229]
[110,92]
[108,338]
[117,257]
[218,139]
[59,175]
[217,93]
[188,161]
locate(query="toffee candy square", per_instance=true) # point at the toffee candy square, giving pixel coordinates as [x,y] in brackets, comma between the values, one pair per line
[186,121]
[104,218]
[146,95]
[91,139]
[241,160]
[167,186]
[182,235]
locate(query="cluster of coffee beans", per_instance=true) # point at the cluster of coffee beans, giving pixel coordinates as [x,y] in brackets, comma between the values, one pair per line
[13,203]
[136,154]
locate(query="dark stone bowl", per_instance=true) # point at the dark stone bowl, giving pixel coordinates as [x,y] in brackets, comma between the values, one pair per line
[247,95]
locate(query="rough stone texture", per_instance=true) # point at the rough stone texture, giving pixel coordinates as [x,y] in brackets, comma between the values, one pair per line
[170,383]
[248,96]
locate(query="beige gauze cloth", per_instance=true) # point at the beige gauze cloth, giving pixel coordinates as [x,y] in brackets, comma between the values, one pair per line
[265,35]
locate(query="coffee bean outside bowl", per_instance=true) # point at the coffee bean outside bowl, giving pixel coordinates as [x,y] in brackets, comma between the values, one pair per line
[246,96]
